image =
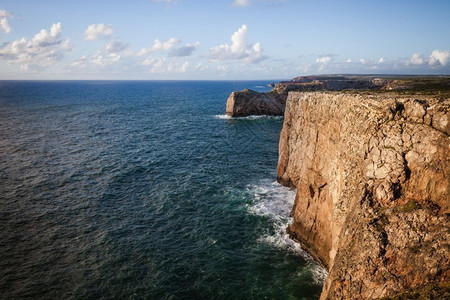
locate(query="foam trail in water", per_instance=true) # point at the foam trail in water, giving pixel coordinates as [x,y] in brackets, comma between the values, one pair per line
[272,200]
[319,274]
[252,117]
[275,201]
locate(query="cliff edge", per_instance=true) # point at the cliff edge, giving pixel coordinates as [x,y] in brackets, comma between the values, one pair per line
[248,102]
[372,175]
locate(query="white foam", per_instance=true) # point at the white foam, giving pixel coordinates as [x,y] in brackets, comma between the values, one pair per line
[225,117]
[252,117]
[319,274]
[270,199]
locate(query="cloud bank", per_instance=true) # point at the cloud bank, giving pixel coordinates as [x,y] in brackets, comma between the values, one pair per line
[43,50]
[437,58]
[112,53]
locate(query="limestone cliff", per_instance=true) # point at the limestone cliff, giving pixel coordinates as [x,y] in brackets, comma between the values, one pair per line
[248,102]
[372,175]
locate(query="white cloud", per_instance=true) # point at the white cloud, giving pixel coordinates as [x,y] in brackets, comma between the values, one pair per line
[324,59]
[222,68]
[437,58]
[322,62]
[151,61]
[239,49]
[43,50]
[241,3]
[116,46]
[96,31]
[437,62]
[104,59]
[81,62]
[184,67]
[184,51]
[162,65]
[4,25]
[440,57]
[416,59]
[200,67]
[158,45]
[113,52]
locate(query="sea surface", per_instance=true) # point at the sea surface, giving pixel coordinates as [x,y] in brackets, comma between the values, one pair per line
[143,190]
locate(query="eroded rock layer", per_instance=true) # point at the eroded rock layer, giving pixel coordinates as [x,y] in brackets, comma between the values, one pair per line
[372,176]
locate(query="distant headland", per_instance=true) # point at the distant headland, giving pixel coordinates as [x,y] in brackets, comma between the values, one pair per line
[248,102]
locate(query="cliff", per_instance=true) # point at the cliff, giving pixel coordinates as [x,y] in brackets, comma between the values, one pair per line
[372,175]
[248,102]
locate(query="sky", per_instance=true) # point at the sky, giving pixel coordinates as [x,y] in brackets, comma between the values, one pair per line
[221,39]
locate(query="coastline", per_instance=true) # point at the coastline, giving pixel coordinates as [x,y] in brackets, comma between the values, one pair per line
[325,148]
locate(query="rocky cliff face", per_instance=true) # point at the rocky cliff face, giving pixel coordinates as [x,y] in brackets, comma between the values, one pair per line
[248,102]
[372,176]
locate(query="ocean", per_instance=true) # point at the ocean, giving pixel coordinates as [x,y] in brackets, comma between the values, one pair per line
[143,190]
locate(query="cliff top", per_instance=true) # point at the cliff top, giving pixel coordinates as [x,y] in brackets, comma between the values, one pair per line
[248,102]
[400,84]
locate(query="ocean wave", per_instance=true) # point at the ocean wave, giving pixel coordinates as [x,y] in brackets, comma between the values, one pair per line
[252,117]
[272,200]
[319,274]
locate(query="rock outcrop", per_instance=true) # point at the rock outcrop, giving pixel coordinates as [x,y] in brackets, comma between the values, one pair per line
[248,102]
[372,172]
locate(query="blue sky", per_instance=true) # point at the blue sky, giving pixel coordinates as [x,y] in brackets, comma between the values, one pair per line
[227,39]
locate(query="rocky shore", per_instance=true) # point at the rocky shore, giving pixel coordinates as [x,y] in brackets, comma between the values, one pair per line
[371,169]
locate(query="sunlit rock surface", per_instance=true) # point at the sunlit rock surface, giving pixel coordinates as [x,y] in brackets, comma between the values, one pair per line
[372,175]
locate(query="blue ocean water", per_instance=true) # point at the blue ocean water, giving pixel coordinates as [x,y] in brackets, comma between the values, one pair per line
[143,190]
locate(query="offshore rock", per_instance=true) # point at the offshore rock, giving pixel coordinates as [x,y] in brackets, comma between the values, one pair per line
[372,175]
